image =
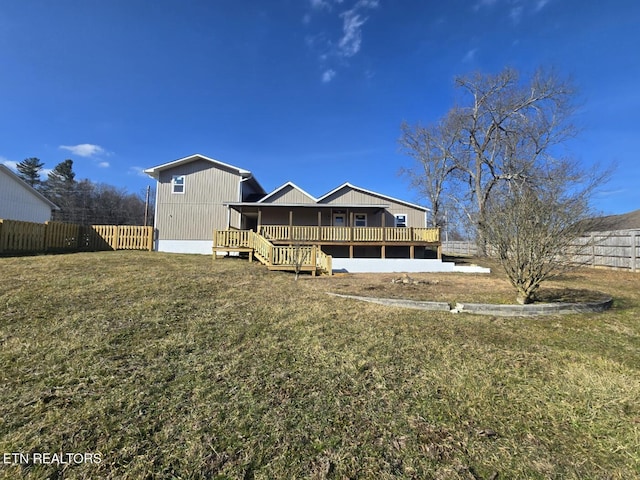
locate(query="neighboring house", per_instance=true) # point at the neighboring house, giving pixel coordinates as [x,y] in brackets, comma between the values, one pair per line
[20,201]
[197,195]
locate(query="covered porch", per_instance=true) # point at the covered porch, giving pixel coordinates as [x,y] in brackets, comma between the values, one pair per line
[347,231]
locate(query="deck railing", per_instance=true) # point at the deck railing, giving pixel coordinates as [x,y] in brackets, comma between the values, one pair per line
[293,257]
[232,238]
[349,234]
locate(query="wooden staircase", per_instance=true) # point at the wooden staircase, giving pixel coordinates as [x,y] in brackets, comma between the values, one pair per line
[294,258]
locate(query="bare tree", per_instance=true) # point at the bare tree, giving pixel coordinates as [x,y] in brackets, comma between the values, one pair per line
[533,227]
[431,148]
[503,129]
[500,147]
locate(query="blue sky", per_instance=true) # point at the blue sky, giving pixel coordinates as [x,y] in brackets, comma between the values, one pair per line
[311,91]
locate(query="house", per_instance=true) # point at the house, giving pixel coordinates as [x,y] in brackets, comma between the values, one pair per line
[197,196]
[191,193]
[20,201]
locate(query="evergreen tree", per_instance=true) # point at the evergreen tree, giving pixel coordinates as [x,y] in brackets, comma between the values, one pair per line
[29,170]
[60,187]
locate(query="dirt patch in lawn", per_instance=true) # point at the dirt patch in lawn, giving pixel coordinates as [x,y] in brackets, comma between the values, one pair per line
[455,287]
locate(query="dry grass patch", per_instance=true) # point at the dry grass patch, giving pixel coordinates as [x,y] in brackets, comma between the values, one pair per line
[172,366]
[465,287]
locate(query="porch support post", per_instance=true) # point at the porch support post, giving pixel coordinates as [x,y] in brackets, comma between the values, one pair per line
[412,252]
[319,218]
[351,227]
[383,251]
[259,219]
[290,225]
[383,222]
[351,250]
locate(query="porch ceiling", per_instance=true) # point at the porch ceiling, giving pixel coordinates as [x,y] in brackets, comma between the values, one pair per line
[246,207]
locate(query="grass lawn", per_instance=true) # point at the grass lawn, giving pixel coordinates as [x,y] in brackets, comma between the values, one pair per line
[171,366]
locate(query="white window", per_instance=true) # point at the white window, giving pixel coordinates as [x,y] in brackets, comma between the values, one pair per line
[177,184]
[360,219]
[401,219]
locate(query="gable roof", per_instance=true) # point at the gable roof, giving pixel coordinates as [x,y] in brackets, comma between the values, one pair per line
[28,187]
[283,187]
[370,192]
[154,172]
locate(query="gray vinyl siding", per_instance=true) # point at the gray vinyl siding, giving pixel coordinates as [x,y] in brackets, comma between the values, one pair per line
[194,214]
[290,195]
[17,202]
[415,217]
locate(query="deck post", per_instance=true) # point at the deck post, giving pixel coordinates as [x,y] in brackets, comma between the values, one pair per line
[314,264]
[259,220]
[319,218]
[383,251]
[383,223]
[412,250]
[351,250]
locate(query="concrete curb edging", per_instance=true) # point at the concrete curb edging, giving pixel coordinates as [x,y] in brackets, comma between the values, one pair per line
[399,302]
[490,309]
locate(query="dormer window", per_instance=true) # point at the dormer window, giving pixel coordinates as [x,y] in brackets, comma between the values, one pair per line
[177,184]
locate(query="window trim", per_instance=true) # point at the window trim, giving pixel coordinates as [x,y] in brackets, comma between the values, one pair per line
[174,184]
[395,220]
[355,219]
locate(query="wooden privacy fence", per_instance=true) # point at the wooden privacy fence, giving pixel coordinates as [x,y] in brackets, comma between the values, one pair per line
[28,237]
[459,247]
[615,249]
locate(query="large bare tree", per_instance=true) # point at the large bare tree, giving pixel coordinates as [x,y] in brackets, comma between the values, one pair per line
[501,147]
[503,128]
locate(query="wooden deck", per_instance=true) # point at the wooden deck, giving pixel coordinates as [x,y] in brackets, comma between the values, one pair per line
[301,258]
[285,247]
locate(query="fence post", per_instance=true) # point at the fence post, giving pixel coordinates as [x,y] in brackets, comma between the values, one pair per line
[633,251]
[593,250]
[115,237]
[150,237]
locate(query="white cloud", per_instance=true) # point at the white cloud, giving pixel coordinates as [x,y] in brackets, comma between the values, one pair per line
[328,75]
[541,4]
[138,171]
[331,50]
[484,3]
[320,4]
[352,22]
[470,55]
[516,13]
[351,39]
[9,163]
[104,165]
[84,150]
